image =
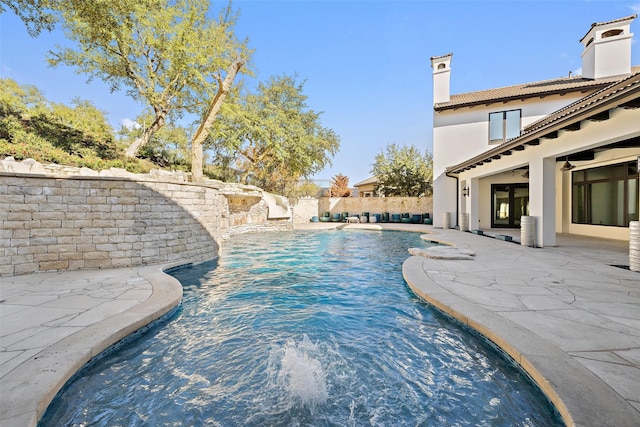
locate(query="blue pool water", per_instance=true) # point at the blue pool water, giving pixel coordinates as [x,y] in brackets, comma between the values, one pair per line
[303,329]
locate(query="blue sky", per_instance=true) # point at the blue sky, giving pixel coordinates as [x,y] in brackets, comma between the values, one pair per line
[365,62]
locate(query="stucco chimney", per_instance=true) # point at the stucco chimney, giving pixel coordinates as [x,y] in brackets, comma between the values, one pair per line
[441,77]
[607,49]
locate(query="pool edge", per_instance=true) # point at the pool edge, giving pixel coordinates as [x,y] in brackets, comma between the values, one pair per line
[579,396]
[62,360]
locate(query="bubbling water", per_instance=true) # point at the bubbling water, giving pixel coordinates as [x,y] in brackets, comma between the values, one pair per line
[295,368]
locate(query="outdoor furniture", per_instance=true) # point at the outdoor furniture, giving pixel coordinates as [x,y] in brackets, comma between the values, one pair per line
[336,218]
[416,219]
[314,218]
[385,217]
[396,217]
[326,217]
[405,218]
[427,218]
[355,219]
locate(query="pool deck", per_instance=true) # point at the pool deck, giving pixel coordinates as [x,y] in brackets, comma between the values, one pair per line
[569,317]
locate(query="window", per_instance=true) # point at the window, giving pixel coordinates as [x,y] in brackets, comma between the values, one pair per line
[607,195]
[504,125]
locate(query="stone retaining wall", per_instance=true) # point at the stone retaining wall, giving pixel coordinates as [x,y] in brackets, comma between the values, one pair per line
[373,205]
[85,222]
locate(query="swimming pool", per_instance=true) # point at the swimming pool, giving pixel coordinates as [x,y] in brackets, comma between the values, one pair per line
[303,329]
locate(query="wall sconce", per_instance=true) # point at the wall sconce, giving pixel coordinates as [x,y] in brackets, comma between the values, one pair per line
[465,191]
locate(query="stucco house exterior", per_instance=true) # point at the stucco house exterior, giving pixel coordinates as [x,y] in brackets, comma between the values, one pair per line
[366,188]
[563,151]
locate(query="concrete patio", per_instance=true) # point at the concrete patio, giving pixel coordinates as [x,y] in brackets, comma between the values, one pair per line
[564,313]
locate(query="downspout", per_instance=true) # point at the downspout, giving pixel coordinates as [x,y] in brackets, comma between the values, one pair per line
[457,198]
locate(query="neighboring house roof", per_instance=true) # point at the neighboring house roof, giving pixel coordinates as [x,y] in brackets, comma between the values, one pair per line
[528,90]
[625,92]
[371,180]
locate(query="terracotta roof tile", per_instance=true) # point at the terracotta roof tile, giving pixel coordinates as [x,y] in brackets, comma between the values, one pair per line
[528,90]
[628,86]
[599,24]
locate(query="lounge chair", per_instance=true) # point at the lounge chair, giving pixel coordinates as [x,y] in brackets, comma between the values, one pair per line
[326,217]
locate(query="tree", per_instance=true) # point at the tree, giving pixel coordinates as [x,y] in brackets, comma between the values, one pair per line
[31,126]
[166,53]
[339,186]
[403,171]
[272,136]
[36,14]
[167,147]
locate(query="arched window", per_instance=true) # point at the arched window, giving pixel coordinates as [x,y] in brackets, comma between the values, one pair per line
[589,42]
[612,33]
[442,66]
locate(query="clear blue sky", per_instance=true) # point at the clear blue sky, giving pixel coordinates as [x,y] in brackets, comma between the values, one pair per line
[366,63]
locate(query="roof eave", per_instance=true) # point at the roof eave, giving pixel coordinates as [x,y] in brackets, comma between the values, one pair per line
[613,101]
[447,106]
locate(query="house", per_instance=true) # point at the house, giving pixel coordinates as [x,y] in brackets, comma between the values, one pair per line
[563,152]
[366,188]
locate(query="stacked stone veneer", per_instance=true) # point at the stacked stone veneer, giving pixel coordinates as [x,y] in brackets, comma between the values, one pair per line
[52,223]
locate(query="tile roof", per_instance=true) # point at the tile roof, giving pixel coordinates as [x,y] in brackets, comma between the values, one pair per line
[614,95]
[599,24]
[528,90]
[370,180]
[633,81]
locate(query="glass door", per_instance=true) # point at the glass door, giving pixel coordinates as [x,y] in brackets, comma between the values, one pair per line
[508,203]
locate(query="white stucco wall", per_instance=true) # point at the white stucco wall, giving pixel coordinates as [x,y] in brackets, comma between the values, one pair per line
[622,125]
[462,134]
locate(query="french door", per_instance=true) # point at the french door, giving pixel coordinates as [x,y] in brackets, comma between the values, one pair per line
[508,203]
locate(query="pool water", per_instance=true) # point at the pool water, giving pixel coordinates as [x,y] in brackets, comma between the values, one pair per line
[313,328]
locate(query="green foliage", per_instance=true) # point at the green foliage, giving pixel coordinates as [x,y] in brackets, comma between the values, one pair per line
[78,135]
[35,14]
[403,171]
[307,188]
[272,137]
[169,147]
[169,54]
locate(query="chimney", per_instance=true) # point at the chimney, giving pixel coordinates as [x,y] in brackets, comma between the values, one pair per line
[607,49]
[441,76]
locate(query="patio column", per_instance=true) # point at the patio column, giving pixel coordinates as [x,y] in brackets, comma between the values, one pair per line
[473,204]
[542,199]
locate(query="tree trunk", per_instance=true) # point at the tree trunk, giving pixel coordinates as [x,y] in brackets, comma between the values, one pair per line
[203,130]
[133,149]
